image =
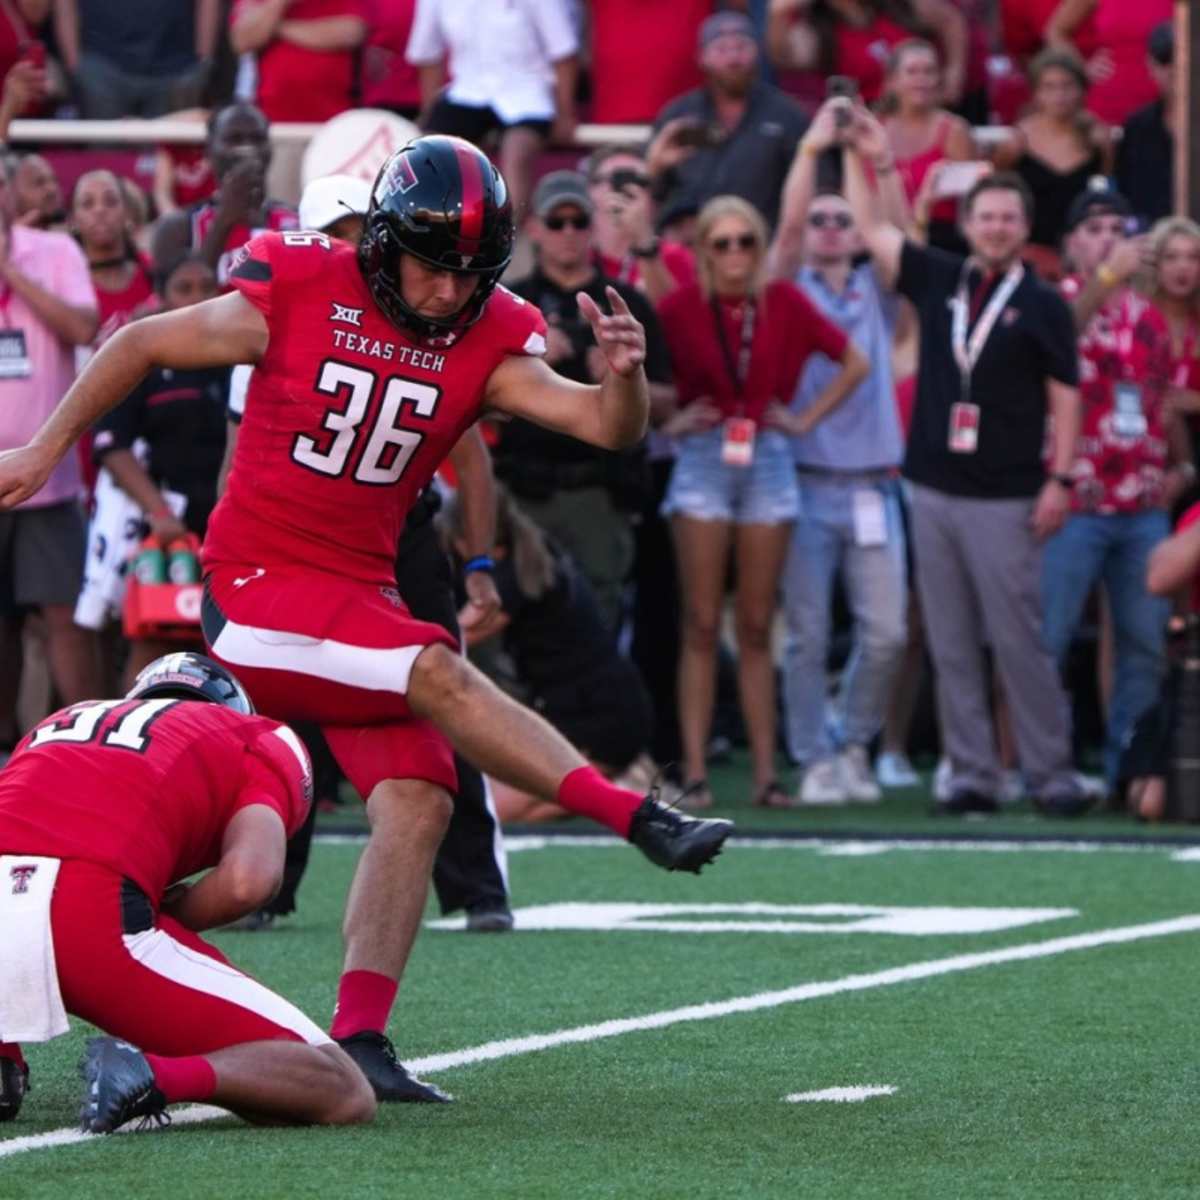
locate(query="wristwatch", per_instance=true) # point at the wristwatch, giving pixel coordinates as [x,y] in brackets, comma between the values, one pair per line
[650,250]
[1067,481]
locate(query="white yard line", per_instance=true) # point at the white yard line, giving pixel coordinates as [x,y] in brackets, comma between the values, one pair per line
[508,1047]
[70,1137]
[848,847]
[841,1095]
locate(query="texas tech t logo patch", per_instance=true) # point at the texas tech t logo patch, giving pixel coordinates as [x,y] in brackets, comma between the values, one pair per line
[20,878]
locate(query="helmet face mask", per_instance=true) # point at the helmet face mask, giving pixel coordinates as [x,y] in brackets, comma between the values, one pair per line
[185,675]
[440,200]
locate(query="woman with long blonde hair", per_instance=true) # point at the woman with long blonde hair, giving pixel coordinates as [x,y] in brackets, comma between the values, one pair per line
[1173,286]
[738,344]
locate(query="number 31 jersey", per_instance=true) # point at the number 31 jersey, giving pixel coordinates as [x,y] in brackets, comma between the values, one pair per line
[147,787]
[346,419]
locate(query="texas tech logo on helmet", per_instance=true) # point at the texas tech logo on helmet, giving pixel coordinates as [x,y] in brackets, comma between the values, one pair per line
[399,177]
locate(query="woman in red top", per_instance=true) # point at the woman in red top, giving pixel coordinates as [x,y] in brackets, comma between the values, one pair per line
[920,131]
[100,222]
[1121,81]
[856,38]
[738,345]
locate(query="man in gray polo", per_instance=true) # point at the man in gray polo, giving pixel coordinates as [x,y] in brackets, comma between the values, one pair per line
[733,136]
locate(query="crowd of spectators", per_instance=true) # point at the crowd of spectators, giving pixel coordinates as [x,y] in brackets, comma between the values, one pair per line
[922,391]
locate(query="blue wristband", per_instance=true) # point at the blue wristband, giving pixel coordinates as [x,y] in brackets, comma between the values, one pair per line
[481,562]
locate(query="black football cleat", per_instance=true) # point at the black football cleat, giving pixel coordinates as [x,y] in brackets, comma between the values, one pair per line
[375,1057]
[118,1087]
[14,1083]
[674,841]
[490,918]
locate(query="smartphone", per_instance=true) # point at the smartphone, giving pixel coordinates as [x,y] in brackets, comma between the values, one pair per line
[700,134]
[842,87]
[958,178]
[624,180]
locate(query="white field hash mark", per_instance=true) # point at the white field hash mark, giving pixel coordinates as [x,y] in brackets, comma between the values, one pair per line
[508,1047]
[841,1095]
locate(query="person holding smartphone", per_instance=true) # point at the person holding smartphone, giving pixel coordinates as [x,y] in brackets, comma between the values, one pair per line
[735,135]
[997,355]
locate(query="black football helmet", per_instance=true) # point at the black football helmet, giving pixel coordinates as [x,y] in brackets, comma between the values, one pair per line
[189,676]
[440,200]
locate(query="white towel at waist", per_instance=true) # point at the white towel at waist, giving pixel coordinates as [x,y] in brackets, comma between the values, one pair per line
[31,1006]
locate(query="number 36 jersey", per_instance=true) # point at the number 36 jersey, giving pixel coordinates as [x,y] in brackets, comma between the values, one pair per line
[147,787]
[346,418]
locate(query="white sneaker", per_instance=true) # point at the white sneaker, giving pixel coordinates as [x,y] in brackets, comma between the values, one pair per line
[1094,786]
[824,784]
[943,780]
[860,779]
[893,770]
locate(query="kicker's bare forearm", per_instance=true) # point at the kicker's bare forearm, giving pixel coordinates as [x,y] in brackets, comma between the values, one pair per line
[477,492]
[624,409]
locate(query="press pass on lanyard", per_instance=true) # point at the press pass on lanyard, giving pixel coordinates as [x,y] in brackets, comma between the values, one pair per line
[965,415]
[737,441]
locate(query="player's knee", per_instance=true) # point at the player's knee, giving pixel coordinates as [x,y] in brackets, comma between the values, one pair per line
[441,680]
[352,1101]
[409,808]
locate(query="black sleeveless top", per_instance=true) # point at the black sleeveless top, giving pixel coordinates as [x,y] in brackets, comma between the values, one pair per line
[1053,192]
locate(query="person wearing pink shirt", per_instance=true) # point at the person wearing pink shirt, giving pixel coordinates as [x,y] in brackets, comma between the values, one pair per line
[47,308]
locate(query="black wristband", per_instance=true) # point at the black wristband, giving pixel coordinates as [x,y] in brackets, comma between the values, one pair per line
[1066,481]
[648,251]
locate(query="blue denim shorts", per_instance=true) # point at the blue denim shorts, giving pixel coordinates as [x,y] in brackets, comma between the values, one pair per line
[705,488]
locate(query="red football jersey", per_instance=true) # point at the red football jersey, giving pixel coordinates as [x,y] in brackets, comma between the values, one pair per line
[346,419]
[147,787]
[277,217]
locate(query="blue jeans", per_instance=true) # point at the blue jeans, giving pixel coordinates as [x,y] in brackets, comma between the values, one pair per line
[1114,548]
[823,542]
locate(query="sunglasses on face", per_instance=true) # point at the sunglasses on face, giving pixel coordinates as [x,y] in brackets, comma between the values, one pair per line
[838,220]
[583,221]
[622,178]
[743,241]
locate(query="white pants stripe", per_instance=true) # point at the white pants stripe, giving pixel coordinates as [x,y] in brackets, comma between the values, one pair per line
[157,951]
[372,668]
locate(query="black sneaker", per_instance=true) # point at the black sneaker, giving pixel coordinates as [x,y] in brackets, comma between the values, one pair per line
[964,802]
[375,1057]
[118,1087]
[14,1083]
[676,842]
[489,918]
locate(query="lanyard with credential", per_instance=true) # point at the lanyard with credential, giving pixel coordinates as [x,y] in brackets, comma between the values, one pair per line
[967,350]
[739,368]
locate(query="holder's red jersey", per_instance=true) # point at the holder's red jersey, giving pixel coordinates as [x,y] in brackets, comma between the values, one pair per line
[346,418]
[147,787]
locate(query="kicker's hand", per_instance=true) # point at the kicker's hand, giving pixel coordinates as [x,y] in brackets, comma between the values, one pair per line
[483,602]
[22,473]
[621,338]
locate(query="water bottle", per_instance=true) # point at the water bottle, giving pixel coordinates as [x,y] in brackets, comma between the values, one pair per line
[150,564]
[182,564]
[1183,781]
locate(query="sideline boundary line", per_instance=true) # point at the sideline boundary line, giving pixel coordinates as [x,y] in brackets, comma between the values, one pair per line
[509,1047]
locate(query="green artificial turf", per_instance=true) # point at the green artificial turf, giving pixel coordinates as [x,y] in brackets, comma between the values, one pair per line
[1069,1076]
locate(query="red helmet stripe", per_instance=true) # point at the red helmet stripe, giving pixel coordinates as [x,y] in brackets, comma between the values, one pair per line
[471,225]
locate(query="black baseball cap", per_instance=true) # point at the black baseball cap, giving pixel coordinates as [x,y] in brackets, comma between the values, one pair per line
[1160,45]
[1099,198]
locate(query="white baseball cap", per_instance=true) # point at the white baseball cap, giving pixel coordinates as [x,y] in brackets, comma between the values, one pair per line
[332,197]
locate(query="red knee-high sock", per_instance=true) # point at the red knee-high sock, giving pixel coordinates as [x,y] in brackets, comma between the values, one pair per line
[188,1078]
[587,792]
[364,1002]
[13,1051]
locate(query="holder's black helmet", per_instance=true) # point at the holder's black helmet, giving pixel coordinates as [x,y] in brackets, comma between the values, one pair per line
[440,200]
[189,676]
